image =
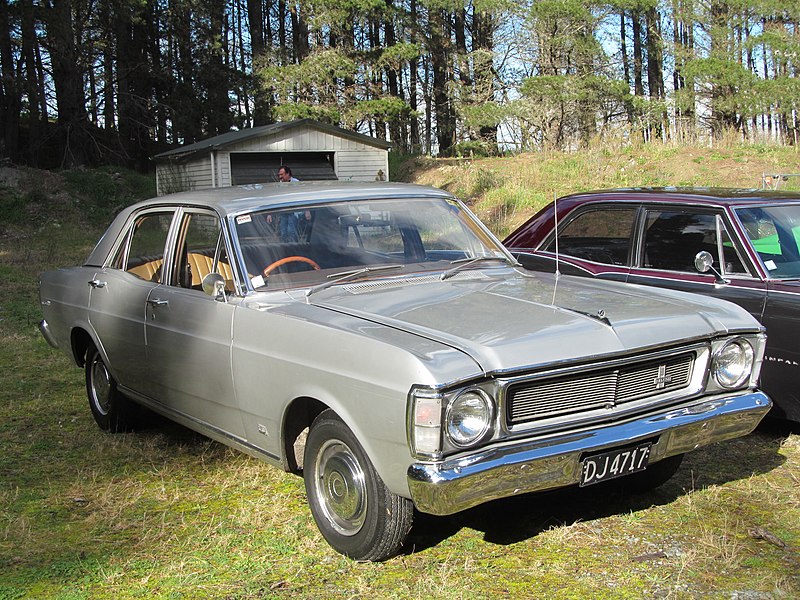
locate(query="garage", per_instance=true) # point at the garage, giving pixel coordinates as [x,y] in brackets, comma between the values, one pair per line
[251,167]
[314,151]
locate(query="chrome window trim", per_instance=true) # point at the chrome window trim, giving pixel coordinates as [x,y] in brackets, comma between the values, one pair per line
[127,231]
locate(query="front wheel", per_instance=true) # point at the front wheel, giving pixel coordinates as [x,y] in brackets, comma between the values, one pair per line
[653,476]
[354,510]
[111,410]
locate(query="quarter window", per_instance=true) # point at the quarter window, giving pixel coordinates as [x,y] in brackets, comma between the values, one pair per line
[599,235]
[143,253]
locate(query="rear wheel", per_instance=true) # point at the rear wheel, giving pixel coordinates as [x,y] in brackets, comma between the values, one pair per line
[354,510]
[111,410]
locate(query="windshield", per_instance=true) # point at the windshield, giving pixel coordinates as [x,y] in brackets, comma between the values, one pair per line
[774,232]
[305,246]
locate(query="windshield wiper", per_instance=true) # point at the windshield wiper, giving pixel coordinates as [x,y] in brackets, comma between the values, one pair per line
[343,276]
[466,263]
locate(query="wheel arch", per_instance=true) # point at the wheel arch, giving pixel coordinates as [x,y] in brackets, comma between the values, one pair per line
[299,416]
[80,341]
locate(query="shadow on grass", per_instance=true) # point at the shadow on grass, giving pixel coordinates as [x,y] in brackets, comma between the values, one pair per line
[511,520]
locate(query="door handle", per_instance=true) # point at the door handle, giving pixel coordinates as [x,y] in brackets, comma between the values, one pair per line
[157,302]
[96,283]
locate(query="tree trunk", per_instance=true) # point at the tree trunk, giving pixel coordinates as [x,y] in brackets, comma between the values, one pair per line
[655,71]
[638,60]
[10,100]
[66,62]
[396,124]
[483,28]
[262,103]
[412,82]
[723,118]
[442,105]
[626,66]
[217,81]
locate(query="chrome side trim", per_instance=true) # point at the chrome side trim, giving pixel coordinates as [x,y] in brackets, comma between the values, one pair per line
[449,486]
[44,328]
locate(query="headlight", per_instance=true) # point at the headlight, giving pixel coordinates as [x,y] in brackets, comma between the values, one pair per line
[732,364]
[468,417]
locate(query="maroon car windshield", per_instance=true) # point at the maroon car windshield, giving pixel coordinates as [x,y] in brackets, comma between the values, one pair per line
[774,232]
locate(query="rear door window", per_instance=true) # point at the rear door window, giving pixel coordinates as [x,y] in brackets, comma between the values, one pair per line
[600,235]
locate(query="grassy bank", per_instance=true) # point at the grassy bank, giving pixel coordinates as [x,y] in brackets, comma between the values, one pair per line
[165,513]
[506,191]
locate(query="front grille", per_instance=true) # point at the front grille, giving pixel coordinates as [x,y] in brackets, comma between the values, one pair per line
[600,389]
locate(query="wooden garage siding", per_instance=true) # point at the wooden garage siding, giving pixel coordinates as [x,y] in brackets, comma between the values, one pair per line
[301,139]
[199,173]
[223,168]
[361,165]
[177,177]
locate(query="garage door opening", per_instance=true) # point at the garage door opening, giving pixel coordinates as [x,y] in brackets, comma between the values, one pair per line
[262,167]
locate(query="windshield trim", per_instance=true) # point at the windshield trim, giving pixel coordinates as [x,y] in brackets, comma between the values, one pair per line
[483,241]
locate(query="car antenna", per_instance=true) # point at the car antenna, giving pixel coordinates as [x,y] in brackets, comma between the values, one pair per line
[555,223]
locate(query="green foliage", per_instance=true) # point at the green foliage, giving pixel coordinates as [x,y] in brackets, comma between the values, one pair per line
[382,109]
[733,89]
[397,56]
[488,114]
[291,111]
[318,73]
[474,149]
[553,107]
[399,165]
[102,193]
[12,206]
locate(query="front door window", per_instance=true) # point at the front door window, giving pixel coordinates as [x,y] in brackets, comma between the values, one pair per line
[672,239]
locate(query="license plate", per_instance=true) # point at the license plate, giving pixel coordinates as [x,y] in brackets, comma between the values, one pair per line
[613,464]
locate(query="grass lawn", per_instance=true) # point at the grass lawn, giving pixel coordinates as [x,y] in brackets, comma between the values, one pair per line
[166,513]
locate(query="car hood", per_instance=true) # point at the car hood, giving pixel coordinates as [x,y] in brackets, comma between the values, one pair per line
[517,320]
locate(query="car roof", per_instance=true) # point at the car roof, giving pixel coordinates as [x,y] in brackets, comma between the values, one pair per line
[688,195]
[532,232]
[231,201]
[247,198]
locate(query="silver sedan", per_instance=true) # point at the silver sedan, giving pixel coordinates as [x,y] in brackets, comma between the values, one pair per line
[387,328]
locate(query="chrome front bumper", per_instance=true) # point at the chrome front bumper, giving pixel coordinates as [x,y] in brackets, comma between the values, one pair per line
[449,486]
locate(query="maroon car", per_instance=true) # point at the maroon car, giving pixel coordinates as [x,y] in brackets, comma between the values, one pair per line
[740,245]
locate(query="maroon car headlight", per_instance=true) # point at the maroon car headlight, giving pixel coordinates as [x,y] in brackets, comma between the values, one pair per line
[732,364]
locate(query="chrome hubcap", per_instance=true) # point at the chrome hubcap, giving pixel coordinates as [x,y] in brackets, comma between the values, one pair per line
[341,488]
[101,386]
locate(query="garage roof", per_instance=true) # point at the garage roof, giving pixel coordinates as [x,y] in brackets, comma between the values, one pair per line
[233,137]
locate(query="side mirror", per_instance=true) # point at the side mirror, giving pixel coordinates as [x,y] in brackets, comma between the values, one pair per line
[214,285]
[704,262]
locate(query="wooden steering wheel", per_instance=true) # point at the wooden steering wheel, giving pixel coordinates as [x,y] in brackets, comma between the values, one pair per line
[288,259]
